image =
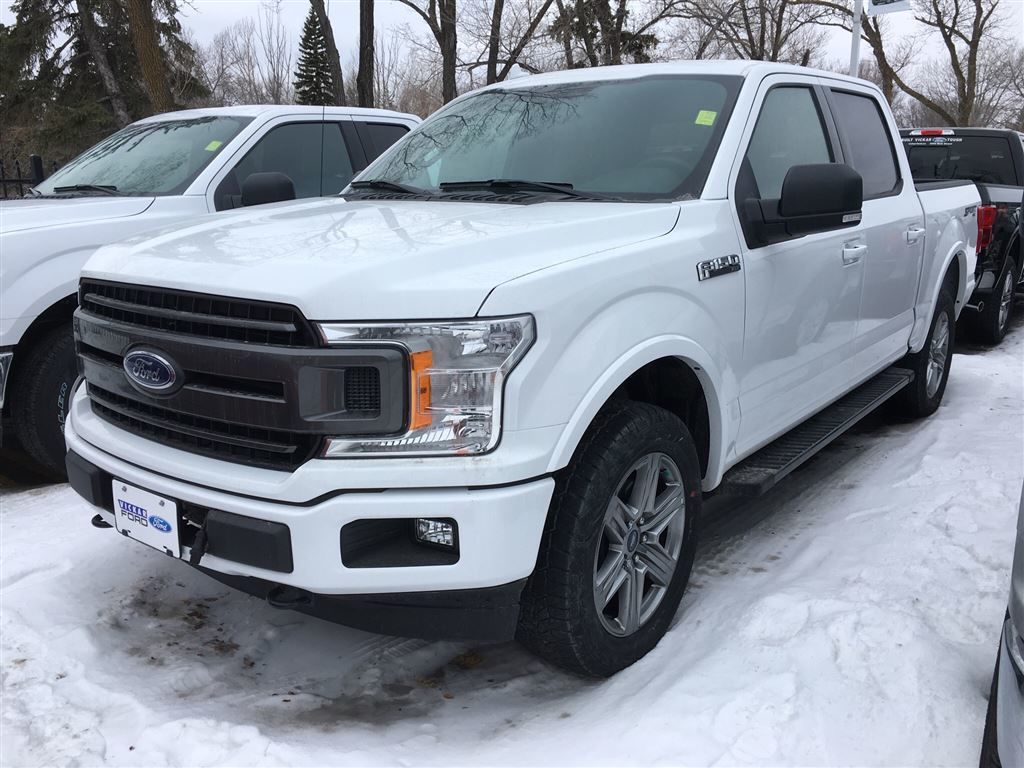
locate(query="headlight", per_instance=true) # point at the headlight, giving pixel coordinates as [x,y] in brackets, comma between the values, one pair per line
[457,371]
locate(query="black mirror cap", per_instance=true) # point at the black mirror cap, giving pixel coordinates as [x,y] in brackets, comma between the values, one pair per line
[820,190]
[268,187]
[815,198]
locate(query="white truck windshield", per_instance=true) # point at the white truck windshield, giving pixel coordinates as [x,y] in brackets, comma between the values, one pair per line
[151,158]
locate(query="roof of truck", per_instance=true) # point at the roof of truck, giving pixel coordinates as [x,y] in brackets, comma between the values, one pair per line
[274,110]
[736,67]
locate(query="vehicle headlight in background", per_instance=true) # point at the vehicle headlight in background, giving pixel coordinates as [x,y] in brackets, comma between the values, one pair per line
[457,371]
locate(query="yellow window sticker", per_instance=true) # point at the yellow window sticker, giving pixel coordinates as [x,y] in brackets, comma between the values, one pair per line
[214,145]
[706,117]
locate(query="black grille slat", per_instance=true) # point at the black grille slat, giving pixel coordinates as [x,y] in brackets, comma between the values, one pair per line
[193,314]
[231,442]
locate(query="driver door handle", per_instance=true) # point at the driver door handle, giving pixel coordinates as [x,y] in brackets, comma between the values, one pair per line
[914,234]
[853,253]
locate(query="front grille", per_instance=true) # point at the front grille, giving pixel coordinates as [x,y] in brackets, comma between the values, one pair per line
[197,314]
[252,386]
[271,449]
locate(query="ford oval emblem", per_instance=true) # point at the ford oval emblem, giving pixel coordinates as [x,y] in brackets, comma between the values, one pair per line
[149,371]
[159,523]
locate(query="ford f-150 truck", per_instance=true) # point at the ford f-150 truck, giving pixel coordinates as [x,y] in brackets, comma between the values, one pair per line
[170,167]
[994,160]
[484,394]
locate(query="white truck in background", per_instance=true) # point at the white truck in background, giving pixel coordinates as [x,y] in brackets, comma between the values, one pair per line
[483,393]
[167,168]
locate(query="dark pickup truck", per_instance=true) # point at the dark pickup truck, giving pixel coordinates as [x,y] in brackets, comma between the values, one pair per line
[994,160]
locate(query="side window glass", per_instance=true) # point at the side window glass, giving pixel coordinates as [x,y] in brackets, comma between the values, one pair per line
[337,165]
[379,136]
[871,149]
[788,132]
[292,149]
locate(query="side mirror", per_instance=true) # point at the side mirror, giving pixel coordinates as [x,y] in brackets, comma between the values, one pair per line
[815,198]
[269,187]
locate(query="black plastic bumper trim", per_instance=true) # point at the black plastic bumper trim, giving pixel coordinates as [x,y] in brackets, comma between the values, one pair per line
[489,614]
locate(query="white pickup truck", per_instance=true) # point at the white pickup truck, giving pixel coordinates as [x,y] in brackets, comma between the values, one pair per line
[484,394]
[171,167]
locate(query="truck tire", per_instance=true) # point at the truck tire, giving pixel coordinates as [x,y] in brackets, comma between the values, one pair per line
[990,325]
[990,737]
[40,396]
[618,546]
[931,366]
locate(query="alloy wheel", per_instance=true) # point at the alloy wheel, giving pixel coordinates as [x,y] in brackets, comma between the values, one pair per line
[639,547]
[938,353]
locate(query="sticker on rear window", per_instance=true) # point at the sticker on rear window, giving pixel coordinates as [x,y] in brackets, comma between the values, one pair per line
[213,145]
[706,117]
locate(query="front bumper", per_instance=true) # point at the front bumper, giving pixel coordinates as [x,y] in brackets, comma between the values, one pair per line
[499,529]
[1010,698]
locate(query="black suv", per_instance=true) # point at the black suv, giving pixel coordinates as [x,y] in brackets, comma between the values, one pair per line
[994,160]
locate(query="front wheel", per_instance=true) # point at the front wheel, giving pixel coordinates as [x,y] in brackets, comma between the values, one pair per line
[41,395]
[619,543]
[931,365]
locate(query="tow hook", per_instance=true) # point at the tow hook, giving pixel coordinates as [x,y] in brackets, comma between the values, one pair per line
[99,522]
[283,596]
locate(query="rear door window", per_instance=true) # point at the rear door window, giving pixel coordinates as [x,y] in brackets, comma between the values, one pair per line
[376,137]
[873,155]
[984,159]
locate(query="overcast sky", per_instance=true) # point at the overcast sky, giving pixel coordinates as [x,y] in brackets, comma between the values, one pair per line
[207,17]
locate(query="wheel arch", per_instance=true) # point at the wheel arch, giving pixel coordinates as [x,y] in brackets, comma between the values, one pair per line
[675,374]
[59,312]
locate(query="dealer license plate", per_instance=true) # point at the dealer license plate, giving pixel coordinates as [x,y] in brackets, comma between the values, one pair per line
[146,517]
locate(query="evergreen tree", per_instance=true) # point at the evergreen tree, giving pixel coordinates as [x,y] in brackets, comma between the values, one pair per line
[313,82]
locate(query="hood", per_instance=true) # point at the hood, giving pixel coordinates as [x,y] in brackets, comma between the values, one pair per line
[352,260]
[33,213]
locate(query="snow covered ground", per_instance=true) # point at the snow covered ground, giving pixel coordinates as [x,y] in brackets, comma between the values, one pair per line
[850,617]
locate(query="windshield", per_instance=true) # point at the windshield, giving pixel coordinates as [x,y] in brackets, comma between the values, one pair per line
[985,159]
[638,139]
[153,158]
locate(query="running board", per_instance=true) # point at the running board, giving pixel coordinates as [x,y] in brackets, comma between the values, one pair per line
[762,470]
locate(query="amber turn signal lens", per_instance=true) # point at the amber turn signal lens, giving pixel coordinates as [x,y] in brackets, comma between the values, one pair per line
[420,405]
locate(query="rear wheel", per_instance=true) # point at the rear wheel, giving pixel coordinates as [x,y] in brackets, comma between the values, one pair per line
[619,544]
[40,396]
[991,324]
[931,365]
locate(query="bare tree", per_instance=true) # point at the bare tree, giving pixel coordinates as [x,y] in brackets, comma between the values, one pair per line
[766,30]
[98,53]
[965,28]
[147,49]
[364,75]
[249,62]
[439,16]
[332,52]
[406,77]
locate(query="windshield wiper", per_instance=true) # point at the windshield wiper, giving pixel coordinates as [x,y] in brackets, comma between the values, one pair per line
[387,186]
[515,185]
[106,189]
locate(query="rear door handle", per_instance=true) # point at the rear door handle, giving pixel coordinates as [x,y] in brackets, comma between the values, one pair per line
[914,234]
[853,253]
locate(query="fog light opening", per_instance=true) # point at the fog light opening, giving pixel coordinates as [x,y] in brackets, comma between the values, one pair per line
[441,533]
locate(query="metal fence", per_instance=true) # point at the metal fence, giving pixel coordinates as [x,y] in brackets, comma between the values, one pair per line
[14,186]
